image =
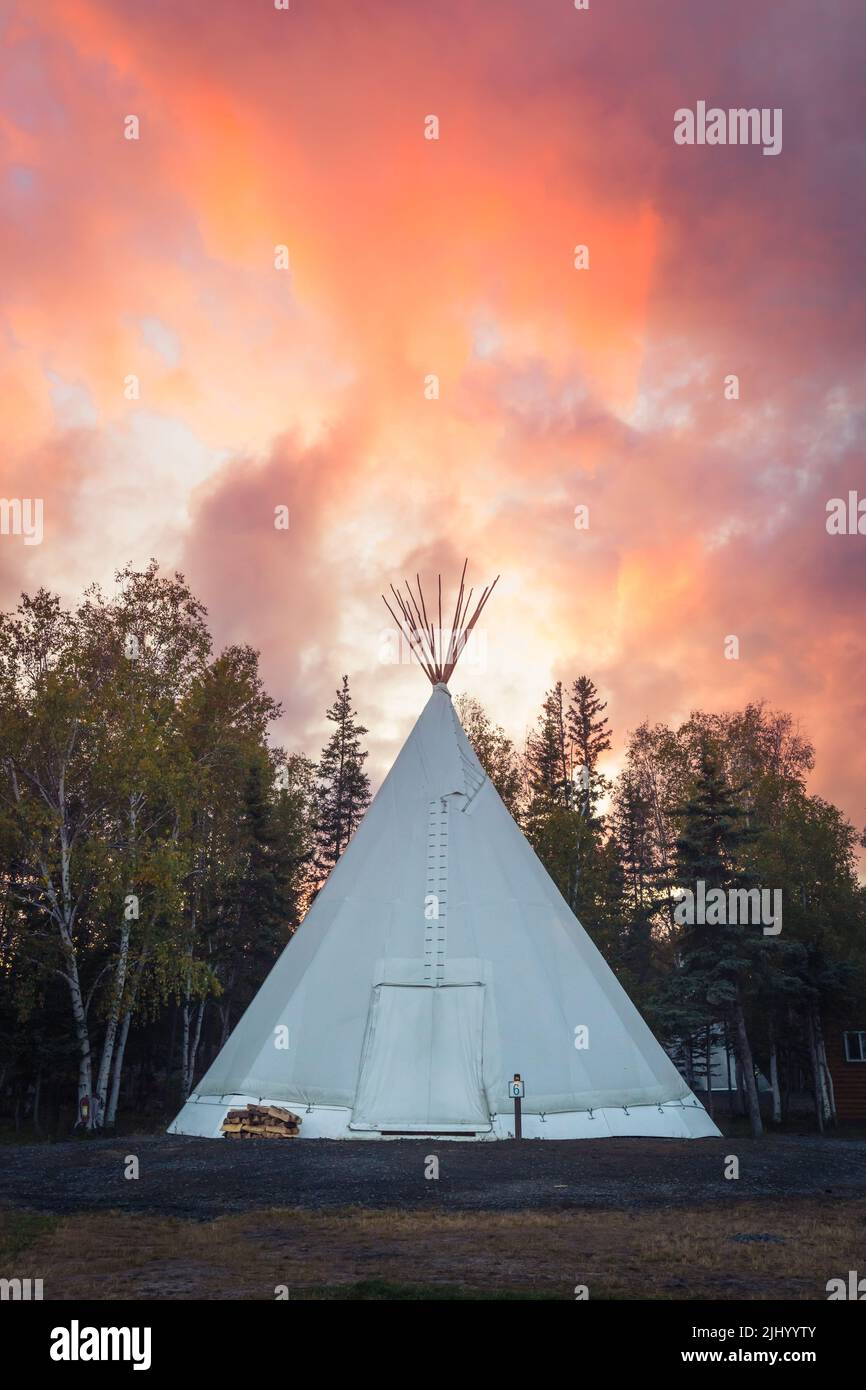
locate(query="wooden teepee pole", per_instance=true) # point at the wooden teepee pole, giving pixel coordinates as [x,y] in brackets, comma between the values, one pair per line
[425,642]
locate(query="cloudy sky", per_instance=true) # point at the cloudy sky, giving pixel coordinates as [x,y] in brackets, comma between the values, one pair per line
[410,257]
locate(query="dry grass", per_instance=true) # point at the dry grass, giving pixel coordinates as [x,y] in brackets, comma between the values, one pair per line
[386,1254]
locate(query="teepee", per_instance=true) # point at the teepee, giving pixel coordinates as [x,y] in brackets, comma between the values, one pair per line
[437,961]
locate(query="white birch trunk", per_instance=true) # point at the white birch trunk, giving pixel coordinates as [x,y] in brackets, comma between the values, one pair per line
[774,1086]
[79,1013]
[708,1064]
[120,1048]
[744,1056]
[193,1052]
[111,1025]
[116,1070]
[184,1053]
[774,1079]
[817,1086]
[826,1074]
[82,1033]
[119,979]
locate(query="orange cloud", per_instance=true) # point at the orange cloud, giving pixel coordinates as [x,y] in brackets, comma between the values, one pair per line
[414,259]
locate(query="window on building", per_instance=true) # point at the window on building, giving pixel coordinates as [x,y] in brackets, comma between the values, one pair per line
[855,1047]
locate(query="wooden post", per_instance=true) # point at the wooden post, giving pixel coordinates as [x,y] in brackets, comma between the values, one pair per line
[516,1090]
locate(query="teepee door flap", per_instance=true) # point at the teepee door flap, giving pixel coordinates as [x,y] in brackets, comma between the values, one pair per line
[421,1068]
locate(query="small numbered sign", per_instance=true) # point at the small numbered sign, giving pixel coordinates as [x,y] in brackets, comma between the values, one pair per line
[515,1089]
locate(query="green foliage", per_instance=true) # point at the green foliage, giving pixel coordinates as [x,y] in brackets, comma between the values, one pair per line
[157,852]
[145,846]
[494,750]
[589,736]
[715,958]
[547,766]
[343,785]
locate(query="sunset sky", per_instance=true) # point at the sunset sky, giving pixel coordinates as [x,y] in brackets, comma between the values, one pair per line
[558,387]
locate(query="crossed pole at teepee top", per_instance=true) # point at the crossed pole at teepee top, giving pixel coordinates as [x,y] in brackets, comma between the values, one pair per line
[436,656]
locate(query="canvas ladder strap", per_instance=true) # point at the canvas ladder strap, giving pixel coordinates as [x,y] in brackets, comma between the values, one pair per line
[436,901]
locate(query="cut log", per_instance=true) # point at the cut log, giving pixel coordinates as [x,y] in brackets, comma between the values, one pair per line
[261,1122]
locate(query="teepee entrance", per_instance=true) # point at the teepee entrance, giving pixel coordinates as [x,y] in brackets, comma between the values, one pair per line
[421,1067]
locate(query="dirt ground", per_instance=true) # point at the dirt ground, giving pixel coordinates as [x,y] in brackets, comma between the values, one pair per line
[737,1251]
[626,1218]
[208,1178]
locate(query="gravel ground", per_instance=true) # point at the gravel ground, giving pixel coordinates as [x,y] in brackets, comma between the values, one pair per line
[206,1178]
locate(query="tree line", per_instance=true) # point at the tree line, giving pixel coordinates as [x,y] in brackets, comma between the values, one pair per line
[719,806]
[157,852]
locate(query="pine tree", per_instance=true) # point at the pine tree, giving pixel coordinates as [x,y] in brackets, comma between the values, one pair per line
[570,843]
[717,958]
[266,897]
[643,891]
[343,785]
[249,916]
[294,816]
[590,735]
[547,767]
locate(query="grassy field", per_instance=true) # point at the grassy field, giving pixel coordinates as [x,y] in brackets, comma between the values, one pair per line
[744,1250]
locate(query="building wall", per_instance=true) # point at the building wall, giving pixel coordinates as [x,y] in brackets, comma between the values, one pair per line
[849,1078]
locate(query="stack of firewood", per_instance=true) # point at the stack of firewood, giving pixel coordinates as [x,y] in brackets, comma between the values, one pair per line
[261,1122]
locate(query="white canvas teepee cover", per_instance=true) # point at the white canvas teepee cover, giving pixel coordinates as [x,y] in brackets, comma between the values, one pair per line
[438,960]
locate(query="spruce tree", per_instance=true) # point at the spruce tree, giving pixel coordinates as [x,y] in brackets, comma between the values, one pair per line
[267,900]
[251,920]
[589,733]
[717,958]
[343,785]
[547,768]
[643,891]
[568,842]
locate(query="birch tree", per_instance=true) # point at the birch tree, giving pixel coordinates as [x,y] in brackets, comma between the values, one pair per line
[90,783]
[54,803]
